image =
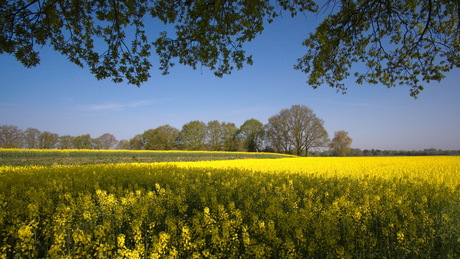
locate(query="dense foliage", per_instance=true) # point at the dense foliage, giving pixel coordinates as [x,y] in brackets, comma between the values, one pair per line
[297,130]
[112,39]
[340,144]
[400,42]
[333,207]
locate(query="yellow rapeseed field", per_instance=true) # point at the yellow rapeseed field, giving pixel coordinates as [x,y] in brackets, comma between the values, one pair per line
[434,169]
[383,207]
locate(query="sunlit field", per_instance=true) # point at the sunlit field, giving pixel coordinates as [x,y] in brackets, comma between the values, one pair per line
[434,170]
[387,207]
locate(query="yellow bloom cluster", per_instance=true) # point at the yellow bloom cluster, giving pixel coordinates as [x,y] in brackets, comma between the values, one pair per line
[435,170]
[394,207]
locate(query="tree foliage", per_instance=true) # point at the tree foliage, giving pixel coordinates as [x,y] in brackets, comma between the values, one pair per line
[251,134]
[10,136]
[214,134]
[400,42]
[221,136]
[277,135]
[48,140]
[193,135]
[136,142]
[31,138]
[298,129]
[106,141]
[123,144]
[83,142]
[341,143]
[66,142]
[110,36]
[229,139]
[161,138]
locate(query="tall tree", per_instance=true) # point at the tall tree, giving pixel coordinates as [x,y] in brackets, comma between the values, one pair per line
[278,134]
[106,141]
[161,138]
[221,136]
[10,136]
[298,128]
[83,142]
[229,131]
[31,138]
[66,142]
[48,140]
[401,42]
[136,143]
[148,139]
[251,134]
[193,135]
[214,134]
[341,143]
[123,144]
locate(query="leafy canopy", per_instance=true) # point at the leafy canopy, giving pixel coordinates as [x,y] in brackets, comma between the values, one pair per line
[341,143]
[296,129]
[402,42]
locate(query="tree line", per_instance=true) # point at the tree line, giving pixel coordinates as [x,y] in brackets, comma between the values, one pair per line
[378,152]
[32,138]
[296,130]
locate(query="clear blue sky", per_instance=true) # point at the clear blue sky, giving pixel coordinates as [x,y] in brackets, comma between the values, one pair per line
[60,97]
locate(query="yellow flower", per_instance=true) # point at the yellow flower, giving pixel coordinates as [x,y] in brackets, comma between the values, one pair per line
[400,236]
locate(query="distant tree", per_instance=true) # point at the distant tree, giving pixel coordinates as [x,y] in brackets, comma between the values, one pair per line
[251,133]
[123,144]
[66,142]
[215,138]
[277,134]
[147,139]
[356,152]
[136,143]
[83,142]
[367,152]
[193,135]
[47,140]
[161,138]
[221,136]
[106,141]
[298,128]
[376,152]
[10,136]
[324,153]
[341,143]
[31,136]
[229,131]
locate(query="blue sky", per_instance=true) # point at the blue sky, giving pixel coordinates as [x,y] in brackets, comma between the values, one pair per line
[60,97]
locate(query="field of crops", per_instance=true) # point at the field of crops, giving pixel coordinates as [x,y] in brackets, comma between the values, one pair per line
[394,207]
[22,157]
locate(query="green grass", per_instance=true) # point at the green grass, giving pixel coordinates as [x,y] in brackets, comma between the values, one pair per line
[27,157]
